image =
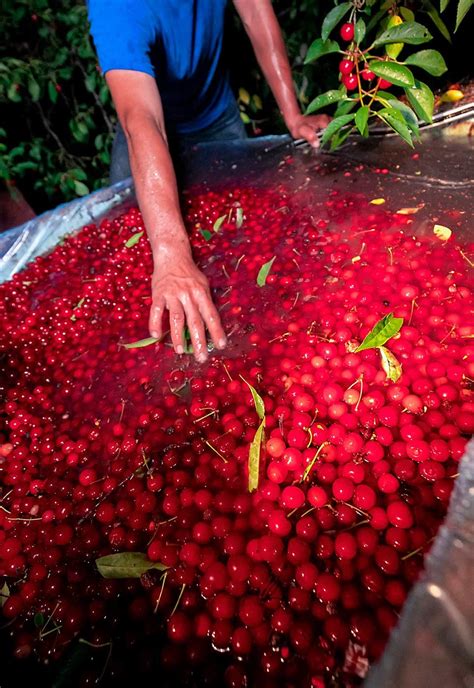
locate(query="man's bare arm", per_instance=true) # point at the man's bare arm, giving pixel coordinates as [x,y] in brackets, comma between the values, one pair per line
[262,27]
[177,284]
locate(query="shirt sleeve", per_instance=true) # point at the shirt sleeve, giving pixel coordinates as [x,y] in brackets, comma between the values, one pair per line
[123,32]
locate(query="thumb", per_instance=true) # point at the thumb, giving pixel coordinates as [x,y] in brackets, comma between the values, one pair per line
[307,132]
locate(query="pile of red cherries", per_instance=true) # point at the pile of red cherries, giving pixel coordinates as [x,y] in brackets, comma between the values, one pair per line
[105,449]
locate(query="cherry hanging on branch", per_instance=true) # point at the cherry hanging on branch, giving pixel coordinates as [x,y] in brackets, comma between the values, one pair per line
[373,40]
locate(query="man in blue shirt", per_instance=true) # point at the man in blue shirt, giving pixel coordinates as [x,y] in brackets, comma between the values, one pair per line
[162,60]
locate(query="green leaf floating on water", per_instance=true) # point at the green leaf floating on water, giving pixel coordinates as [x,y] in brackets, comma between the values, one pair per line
[264,272]
[239,217]
[126,565]
[141,343]
[390,364]
[39,620]
[254,457]
[385,329]
[259,438]
[134,239]
[257,400]
[219,222]
[4,594]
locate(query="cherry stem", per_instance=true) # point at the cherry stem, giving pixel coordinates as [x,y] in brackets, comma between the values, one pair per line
[359,511]
[97,645]
[449,334]
[313,461]
[178,600]
[211,413]
[466,258]
[227,371]
[413,304]
[356,525]
[238,262]
[161,592]
[216,451]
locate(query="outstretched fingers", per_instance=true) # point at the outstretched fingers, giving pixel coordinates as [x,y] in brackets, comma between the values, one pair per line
[211,319]
[177,323]
[155,323]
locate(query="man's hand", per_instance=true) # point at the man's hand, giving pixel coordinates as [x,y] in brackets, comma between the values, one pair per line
[181,288]
[307,126]
[265,35]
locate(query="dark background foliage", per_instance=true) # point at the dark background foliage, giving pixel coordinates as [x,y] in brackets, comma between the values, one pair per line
[57,118]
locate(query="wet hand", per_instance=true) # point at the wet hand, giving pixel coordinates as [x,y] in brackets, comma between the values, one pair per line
[180,288]
[307,126]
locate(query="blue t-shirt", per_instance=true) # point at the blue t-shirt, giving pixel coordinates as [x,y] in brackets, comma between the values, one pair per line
[179,42]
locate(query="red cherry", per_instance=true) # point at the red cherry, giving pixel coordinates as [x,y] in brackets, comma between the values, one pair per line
[399,515]
[346,66]
[367,74]
[347,32]
[350,81]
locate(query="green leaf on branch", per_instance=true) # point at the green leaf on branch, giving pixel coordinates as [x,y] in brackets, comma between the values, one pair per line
[77,173]
[385,95]
[254,457]
[443,4]
[421,99]
[386,328]
[408,115]
[376,18]
[339,138]
[134,239]
[34,89]
[361,119]
[13,93]
[359,31]
[390,364]
[53,94]
[396,73]
[433,14]
[141,343]
[333,18]
[126,565]
[80,188]
[408,32]
[345,106]
[430,60]
[318,48]
[334,126]
[395,121]
[407,14]
[264,272]
[463,8]
[324,100]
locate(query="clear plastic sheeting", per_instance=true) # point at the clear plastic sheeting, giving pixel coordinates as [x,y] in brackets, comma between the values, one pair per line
[22,244]
[434,642]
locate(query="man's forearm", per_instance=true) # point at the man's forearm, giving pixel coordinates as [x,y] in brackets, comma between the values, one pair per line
[156,188]
[265,35]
